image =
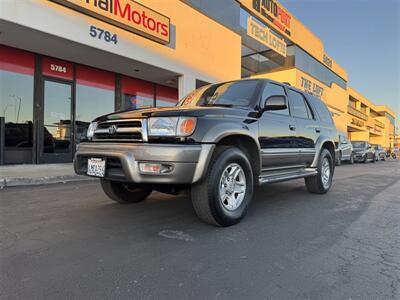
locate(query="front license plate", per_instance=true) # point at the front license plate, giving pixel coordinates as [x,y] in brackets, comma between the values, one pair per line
[96,167]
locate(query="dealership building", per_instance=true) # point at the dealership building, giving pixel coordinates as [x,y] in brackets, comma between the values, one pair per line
[65,62]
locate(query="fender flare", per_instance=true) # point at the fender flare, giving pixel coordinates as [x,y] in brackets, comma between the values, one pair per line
[318,146]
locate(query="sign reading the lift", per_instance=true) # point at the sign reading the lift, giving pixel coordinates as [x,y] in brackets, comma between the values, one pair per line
[265,36]
[126,14]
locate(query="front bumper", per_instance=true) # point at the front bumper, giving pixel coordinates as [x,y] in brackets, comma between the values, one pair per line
[359,156]
[189,162]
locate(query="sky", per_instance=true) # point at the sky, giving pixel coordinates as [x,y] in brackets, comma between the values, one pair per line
[363,36]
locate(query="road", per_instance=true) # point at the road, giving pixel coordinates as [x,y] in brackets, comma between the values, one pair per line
[68,241]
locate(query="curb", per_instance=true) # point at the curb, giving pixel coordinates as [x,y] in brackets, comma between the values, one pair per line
[10,182]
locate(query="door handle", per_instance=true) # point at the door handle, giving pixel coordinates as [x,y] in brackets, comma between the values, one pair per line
[292,127]
[317,130]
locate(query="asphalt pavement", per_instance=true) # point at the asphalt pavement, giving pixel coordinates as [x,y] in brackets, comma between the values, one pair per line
[69,241]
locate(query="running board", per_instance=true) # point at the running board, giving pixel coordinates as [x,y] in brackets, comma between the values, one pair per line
[263,179]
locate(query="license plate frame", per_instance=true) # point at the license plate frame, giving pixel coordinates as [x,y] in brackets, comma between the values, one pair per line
[96,167]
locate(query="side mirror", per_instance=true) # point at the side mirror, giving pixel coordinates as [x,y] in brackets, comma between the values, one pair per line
[275,103]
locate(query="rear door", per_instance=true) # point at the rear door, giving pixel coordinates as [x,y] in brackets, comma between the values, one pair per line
[308,128]
[277,131]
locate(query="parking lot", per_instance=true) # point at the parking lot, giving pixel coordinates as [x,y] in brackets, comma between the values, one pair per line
[69,241]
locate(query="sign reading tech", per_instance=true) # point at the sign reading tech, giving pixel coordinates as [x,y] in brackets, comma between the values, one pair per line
[265,36]
[126,14]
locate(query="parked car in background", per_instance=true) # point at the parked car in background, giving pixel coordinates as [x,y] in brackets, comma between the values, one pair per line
[363,151]
[380,153]
[345,151]
[219,142]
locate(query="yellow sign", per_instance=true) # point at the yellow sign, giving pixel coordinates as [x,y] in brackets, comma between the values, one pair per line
[126,14]
[266,37]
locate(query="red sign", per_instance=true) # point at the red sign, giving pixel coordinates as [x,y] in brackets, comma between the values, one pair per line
[57,68]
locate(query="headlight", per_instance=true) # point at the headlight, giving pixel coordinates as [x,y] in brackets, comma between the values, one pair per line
[91,129]
[171,126]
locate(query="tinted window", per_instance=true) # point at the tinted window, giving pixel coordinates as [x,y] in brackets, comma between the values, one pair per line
[94,97]
[236,93]
[298,106]
[272,89]
[323,112]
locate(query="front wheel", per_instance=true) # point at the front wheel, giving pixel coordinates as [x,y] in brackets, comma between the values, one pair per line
[223,196]
[339,159]
[321,183]
[351,160]
[124,193]
[374,158]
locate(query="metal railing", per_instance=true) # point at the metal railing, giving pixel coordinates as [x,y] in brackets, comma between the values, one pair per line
[357,113]
[379,124]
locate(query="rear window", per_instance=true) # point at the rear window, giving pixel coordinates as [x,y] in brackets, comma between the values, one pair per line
[358,144]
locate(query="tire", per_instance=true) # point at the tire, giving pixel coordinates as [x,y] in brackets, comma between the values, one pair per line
[339,159]
[384,158]
[365,159]
[374,159]
[123,193]
[207,201]
[351,160]
[317,184]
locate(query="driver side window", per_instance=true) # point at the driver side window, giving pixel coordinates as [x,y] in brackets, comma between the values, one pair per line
[273,89]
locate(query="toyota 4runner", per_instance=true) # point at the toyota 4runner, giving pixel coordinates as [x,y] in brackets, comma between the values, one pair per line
[219,142]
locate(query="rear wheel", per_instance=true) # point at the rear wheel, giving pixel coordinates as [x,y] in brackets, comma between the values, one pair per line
[321,183]
[223,196]
[124,193]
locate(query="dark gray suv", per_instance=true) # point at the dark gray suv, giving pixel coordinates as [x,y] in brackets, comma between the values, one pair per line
[220,141]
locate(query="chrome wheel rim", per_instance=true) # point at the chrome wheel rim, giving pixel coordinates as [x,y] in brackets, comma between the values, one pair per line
[325,172]
[232,187]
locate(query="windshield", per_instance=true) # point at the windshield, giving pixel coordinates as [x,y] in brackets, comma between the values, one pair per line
[236,93]
[359,144]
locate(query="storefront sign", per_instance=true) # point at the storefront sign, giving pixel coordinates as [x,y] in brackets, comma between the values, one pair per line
[57,68]
[311,87]
[357,122]
[272,11]
[266,37]
[126,14]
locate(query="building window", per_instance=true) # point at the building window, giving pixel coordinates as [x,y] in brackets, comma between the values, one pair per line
[16,98]
[136,93]
[95,96]
[311,66]
[166,96]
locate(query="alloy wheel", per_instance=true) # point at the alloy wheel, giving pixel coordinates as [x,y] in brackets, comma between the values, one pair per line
[232,187]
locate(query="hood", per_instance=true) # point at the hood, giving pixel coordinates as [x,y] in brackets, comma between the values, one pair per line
[176,111]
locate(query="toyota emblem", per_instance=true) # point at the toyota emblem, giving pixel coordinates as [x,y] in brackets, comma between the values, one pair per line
[112,129]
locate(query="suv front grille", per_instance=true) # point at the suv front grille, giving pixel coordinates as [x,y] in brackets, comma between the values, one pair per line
[129,130]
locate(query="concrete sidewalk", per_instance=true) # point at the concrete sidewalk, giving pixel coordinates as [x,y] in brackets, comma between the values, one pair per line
[18,175]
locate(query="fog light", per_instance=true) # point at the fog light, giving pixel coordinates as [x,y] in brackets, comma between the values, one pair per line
[155,168]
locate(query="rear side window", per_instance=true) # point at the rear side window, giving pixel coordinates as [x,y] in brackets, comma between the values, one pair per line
[299,108]
[323,112]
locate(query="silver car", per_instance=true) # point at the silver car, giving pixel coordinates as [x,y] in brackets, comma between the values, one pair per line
[345,151]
